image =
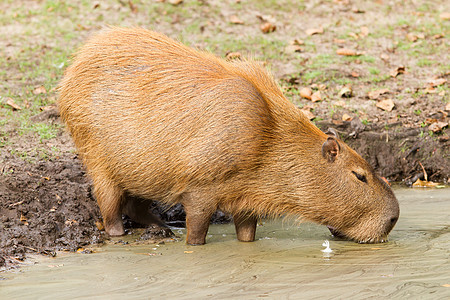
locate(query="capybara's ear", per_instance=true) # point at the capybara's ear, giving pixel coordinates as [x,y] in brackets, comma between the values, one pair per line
[330,149]
[332,132]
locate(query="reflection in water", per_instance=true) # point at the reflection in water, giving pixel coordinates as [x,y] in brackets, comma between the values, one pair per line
[286,262]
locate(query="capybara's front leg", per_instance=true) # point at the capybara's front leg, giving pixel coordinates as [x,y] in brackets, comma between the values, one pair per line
[245,227]
[110,200]
[198,216]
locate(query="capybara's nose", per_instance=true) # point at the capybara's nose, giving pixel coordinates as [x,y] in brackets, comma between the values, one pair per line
[390,224]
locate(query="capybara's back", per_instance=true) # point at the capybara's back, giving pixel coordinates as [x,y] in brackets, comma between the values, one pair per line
[153,118]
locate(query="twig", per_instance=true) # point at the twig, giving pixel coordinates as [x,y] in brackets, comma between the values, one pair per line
[425,176]
[17,203]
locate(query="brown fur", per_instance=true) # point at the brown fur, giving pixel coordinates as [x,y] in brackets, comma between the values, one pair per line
[158,120]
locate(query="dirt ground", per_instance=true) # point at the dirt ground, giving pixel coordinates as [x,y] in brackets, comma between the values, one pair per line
[399,53]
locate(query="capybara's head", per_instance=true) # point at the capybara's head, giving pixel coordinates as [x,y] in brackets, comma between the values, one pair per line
[355,203]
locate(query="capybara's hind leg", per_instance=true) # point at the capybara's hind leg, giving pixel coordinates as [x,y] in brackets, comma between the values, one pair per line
[110,199]
[245,227]
[139,211]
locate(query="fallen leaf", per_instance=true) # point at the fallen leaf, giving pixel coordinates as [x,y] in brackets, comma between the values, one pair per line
[39,90]
[340,103]
[357,10]
[412,37]
[430,90]
[316,96]
[364,31]
[188,252]
[175,2]
[293,49]
[386,104]
[99,225]
[308,114]
[346,92]
[23,219]
[10,102]
[374,95]
[235,20]
[268,27]
[346,117]
[96,5]
[437,126]
[133,7]
[312,31]
[447,106]
[445,16]
[347,52]
[306,93]
[399,70]
[446,285]
[354,74]
[339,41]
[384,56]
[266,18]
[423,183]
[438,36]
[233,55]
[297,42]
[437,82]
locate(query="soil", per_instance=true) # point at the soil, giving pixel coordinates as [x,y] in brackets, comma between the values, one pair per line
[46,202]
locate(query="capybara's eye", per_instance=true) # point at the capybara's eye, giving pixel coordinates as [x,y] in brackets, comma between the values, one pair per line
[360,177]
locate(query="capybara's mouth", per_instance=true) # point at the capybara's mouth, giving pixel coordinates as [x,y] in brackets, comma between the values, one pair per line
[371,240]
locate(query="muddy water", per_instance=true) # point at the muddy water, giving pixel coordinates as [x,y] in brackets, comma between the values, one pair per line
[285,262]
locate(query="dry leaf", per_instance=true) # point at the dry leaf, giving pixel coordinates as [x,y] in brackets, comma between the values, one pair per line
[423,183]
[39,90]
[306,93]
[347,52]
[339,41]
[308,114]
[268,27]
[346,117]
[316,97]
[354,74]
[100,225]
[374,95]
[312,31]
[445,16]
[399,70]
[340,103]
[447,106]
[412,37]
[233,55]
[437,126]
[175,2]
[437,82]
[437,36]
[133,7]
[364,31]
[386,104]
[188,252]
[235,20]
[357,10]
[346,92]
[297,42]
[293,49]
[384,56]
[446,285]
[10,102]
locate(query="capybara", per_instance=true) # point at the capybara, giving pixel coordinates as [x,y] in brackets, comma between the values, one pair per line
[155,119]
